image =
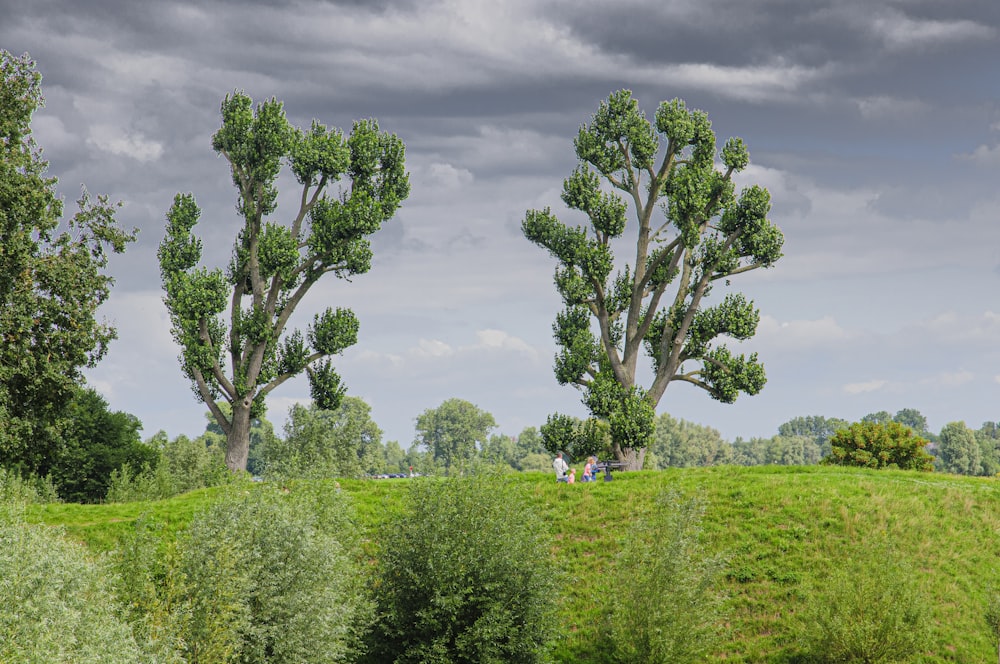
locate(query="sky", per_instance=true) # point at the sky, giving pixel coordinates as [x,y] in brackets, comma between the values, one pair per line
[875,124]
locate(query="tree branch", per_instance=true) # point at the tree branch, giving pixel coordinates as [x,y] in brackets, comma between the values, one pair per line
[206,396]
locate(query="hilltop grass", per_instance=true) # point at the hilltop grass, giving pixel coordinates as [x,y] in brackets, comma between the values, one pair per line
[783,530]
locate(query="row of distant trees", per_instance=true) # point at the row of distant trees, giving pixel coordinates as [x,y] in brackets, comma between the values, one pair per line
[347,442]
[102,456]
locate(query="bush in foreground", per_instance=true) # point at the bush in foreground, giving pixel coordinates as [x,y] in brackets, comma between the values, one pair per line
[260,576]
[664,605]
[56,607]
[870,611]
[464,576]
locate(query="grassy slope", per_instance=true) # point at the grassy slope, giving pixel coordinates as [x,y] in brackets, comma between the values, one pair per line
[782,528]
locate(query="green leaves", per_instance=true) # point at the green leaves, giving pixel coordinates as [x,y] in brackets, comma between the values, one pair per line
[705,234]
[333,331]
[52,281]
[727,375]
[325,387]
[459,580]
[319,153]
[875,445]
[275,263]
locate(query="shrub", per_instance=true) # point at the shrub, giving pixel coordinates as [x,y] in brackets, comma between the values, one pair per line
[871,611]
[16,489]
[56,604]
[874,445]
[464,575]
[664,605]
[260,576]
[991,614]
[182,465]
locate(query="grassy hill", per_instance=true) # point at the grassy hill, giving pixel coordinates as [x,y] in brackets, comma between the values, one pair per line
[783,530]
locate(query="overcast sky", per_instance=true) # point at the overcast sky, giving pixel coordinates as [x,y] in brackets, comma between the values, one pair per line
[874,123]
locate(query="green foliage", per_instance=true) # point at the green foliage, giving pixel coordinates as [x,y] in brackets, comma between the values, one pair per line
[682,444]
[870,444]
[57,604]
[461,579]
[666,604]
[453,432]
[52,281]
[988,436]
[17,489]
[959,451]
[97,442]
[344,442]
[274,265]
[575,437]
[871,610]
[181,465]
[783,530]
[394,458]
[991,614]
[260,576]
[708,235]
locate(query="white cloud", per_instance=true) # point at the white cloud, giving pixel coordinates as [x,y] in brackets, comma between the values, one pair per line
[750,83]
[949,379]
[886,107]
[432,348]
[447,177]
[498,339]
[900,31]
[114,140]
[984,155]
[801,334]
[487,341]
[867,386]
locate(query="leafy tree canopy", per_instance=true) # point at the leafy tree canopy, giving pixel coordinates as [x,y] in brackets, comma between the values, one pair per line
[344,442]
[879,445]
[454,432]
[959,451]
[232,325]
[95,442]
[52,281]
[657,305]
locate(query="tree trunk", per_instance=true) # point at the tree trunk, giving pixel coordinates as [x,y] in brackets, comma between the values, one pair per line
[632,458]
[238,440]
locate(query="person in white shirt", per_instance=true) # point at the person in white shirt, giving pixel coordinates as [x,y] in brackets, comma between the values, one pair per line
[560,466]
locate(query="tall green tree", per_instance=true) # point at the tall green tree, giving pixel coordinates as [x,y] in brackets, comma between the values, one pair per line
[52,281]
[344,442]
[988,436]
[817,427]
[239,360]
[683,444]
[706,236]
[959,450]
[95,442]
[454,432]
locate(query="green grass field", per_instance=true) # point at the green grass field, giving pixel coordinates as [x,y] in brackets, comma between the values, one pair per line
[782,529]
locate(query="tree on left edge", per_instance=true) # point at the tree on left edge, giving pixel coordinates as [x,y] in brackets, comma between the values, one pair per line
[239,361]
[52,281]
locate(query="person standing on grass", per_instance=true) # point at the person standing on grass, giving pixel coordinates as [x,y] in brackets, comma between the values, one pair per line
[560,466]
